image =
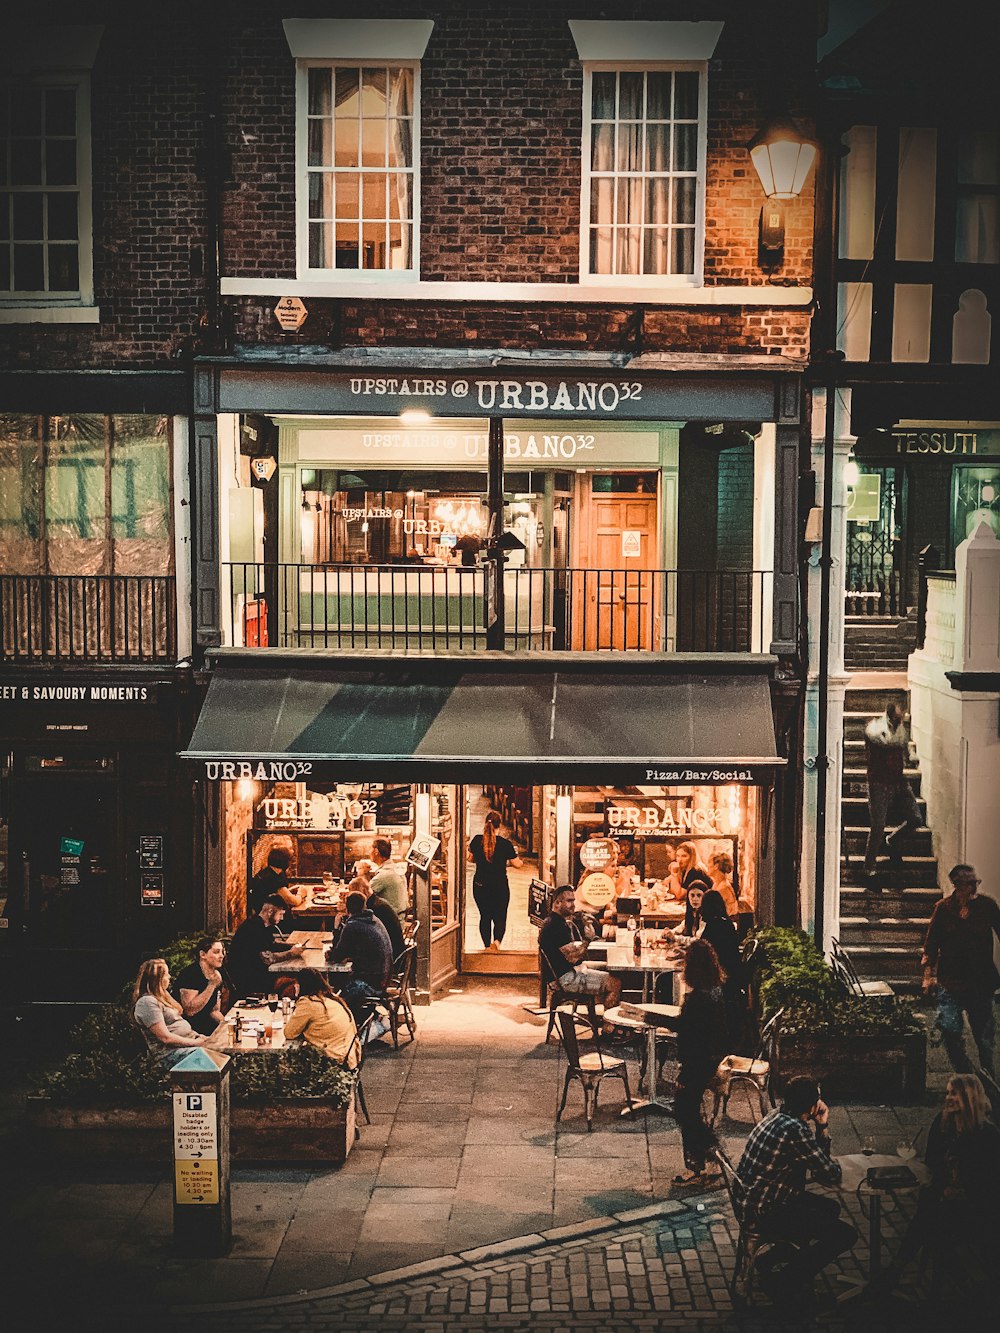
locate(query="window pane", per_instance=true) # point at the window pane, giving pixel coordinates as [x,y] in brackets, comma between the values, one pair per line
[658,201]
[630,199]
[29,274]
[62,216]
[347,187]
[686,95]
[60,161]
[400,139]
[320,245]
[373,245]
[74,478]
[655,251]
[602,148]
[345,82]
[603,99]
[374,90]
[319,92]
[685,147]
[373,143]
[347,245]
[6,201]
[979,158]
[60,111]
[26,162]
[400,196]
[684,199]
[373,196]
[628,242]
[399,245]
[657,147]
[683,250]
[20,498]
[64,268]
[977,234]
[629,148]
[401,92]
[27,217]
[346,142]
[321,194]
[319,143]
[630,96]
[5,269]
[600,250]
[140,494]
[601,200]
[26,110]
[657,95]
[915,178]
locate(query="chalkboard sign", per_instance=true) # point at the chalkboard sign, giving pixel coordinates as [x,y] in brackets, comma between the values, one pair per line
[539,898]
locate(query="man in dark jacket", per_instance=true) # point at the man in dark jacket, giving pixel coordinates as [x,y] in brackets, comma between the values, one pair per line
[254,948]
[958,958]
[364,942]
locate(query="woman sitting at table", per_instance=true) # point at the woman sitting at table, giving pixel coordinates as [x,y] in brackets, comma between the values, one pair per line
[686,871]
[702,1041]
[161,1019]
[691,927]
[323,1019]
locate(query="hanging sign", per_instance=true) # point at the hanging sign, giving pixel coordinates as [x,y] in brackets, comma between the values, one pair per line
[290,313]
[151,851]
[151,889]
[539,899]
[422,851]
[263,469]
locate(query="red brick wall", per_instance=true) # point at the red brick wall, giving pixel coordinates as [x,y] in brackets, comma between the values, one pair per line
[501,122]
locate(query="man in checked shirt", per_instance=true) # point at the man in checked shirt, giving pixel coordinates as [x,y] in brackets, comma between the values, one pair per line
[788,1147]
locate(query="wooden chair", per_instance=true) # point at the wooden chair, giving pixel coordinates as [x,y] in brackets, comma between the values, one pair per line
[398,997]
[410,928]
[590,1069]
[557,996]
[843,966]
[753,1072]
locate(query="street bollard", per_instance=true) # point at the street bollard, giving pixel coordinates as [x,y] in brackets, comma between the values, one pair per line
[199,1092]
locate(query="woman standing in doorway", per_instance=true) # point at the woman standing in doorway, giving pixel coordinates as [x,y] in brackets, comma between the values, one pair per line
[491,854]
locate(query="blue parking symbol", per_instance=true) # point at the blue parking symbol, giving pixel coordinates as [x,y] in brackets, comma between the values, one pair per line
[194,1101]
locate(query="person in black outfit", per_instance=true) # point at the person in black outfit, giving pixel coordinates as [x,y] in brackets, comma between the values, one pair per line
[270,879]
[721,933]
[491,854]
[363,941]
[701,1043]
[253,949]
[198,988]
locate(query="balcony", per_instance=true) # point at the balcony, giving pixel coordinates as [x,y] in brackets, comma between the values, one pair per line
[87,618]
[444,608]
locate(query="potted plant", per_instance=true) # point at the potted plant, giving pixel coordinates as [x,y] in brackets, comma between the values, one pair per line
[292,1105]
[857,1048]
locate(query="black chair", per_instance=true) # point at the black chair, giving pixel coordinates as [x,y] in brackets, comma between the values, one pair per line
[398,997]
[359,1092]
[410,928]
[557,996]
[590,1069]
[753,1250]
[754,1072]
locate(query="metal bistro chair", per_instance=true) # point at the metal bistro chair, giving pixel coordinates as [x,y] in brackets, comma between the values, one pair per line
[843,966]
[754,1072]
[359,1092]
[589,1069]
[398,998]
[410,929]
[557,996]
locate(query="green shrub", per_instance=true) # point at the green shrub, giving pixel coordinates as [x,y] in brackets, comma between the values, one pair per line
[109,1066]
[852,1017]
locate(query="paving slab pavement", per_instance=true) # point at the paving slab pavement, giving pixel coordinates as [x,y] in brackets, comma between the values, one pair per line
[482,1164]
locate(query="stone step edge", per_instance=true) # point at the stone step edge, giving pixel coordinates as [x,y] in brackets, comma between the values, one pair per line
[464,1260]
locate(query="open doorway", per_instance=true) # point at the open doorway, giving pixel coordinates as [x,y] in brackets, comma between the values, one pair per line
[493,940]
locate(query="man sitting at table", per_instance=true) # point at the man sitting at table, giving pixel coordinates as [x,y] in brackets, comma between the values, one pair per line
[272,881]
[563,947]
[789,1146]
[253,949]
[364,942]
[389,881]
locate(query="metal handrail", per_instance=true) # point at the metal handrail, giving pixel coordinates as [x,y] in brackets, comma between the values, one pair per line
[444,607]
[88,618]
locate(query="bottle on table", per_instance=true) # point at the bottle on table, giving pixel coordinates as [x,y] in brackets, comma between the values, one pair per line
[637,943]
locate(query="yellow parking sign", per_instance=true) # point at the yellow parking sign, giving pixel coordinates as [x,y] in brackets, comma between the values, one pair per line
[196,1182]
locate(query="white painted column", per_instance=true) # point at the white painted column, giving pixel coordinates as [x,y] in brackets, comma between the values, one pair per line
[182,536]
[837,682]
[762,597]
[564,835]
[228,427]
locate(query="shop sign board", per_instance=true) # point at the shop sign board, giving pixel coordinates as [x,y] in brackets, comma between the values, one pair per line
[82,693]
[539,899]
[151,851]
[151,888]
[291,313]
[667,817]
[929,443]
[467,448]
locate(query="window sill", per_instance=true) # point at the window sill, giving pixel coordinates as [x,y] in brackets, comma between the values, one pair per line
[50,314]
[566,293]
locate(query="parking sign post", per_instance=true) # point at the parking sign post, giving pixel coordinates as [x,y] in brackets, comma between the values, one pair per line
[199,1092]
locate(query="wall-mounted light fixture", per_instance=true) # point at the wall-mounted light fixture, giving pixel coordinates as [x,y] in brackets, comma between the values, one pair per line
[782,157]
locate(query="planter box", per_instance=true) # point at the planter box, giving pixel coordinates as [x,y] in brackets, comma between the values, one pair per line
[292,1131]
[875,1069]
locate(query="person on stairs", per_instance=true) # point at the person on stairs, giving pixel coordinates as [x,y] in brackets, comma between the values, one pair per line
[887,748]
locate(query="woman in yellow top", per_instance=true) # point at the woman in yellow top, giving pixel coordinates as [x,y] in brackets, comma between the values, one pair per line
[323,1019]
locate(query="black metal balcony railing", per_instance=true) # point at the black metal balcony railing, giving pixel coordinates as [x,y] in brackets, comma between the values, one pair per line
[88,618]
[432,607]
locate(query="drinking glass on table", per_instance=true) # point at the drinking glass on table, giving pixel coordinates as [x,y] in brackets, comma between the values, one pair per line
[272,1003]
[906,1148]
[868,1145]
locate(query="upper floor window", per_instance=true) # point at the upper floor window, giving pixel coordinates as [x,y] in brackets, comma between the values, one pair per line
[643,178]
[977,205]
[358,136]
[45,236]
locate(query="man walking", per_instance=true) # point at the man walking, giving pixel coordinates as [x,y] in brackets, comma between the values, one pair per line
[789,1146]
[958,958]
[887,748]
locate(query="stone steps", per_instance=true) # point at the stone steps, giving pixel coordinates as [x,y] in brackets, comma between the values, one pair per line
[855,838]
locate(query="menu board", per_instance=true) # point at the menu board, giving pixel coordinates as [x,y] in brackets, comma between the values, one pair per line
[539,899]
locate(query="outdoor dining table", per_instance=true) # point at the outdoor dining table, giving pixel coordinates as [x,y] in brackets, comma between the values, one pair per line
[615,1018]
[855,1167]
[314,958]
[652,963]
[254,1014]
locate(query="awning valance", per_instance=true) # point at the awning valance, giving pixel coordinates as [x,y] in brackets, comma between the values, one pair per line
[442,719]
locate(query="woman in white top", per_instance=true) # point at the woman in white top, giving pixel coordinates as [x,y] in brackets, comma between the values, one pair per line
[161,1019]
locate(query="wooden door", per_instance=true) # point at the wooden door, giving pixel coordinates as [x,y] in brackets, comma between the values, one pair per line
[617,588]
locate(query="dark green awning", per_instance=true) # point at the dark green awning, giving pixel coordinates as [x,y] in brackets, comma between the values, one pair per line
[441,719]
